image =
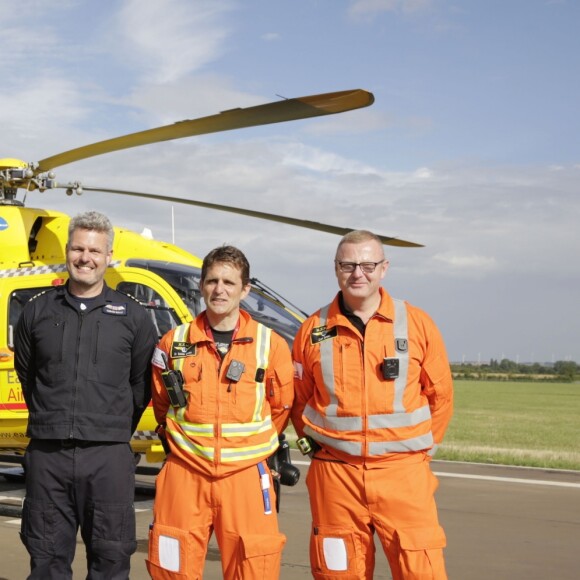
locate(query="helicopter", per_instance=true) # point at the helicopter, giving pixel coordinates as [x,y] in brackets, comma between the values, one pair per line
[163,277]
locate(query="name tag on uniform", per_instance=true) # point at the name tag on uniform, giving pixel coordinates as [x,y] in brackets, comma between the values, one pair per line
[182,349]
[115,309]
[321,333]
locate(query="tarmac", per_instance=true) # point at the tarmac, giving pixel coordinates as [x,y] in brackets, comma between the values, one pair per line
[501,522]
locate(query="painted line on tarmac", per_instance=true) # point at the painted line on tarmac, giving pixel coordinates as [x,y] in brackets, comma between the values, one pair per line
[491,478]
[509,479]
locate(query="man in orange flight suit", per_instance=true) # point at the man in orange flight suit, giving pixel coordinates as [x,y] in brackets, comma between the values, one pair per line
[220,428]
[373,398]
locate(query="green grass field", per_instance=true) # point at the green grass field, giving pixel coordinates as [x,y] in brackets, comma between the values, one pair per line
[530,424]
[515,423]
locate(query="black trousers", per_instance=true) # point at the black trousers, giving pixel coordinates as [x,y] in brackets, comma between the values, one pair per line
[79,485]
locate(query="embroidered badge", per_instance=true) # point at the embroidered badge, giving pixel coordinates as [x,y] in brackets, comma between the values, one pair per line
[115,309]
[182,349]
[321,333]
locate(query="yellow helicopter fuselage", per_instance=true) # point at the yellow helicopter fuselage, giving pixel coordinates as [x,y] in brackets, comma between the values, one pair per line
[162,276]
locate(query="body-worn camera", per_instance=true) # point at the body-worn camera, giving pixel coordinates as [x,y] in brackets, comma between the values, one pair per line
[235,370]
[173,381]
[390,368]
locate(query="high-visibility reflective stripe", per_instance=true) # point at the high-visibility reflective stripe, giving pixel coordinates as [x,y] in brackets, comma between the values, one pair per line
[197,429]
[401,446]
[394,420]
[433,450]
[231,430]
[399,418]
[190,447]
[327,366]
[401,332]
[382,421]
[262,357]
[246,429]
[229,454]
[180,335]
[350,447]
[332,421]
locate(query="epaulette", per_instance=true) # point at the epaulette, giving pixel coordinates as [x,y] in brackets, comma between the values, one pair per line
[40,294]
[130,296]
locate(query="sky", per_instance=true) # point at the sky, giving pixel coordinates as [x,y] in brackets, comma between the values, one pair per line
[472,146]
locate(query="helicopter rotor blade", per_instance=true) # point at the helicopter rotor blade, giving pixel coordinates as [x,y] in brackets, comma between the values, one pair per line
[387,240]
[276,112]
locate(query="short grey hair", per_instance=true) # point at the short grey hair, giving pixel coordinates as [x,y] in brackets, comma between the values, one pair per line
[357,237]
[93,221]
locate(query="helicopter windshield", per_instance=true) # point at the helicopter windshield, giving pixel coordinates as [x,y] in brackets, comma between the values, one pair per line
[185,280]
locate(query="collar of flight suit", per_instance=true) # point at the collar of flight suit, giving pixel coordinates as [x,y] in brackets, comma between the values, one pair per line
[385,310]
[197,332]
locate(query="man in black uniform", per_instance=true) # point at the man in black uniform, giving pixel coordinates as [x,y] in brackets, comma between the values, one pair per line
[83,356]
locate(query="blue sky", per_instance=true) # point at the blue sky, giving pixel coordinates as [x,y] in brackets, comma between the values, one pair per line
[470,148]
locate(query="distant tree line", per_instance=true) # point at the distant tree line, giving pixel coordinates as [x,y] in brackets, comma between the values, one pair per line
[560,371]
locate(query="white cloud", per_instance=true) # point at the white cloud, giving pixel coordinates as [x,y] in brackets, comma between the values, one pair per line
[171,39]
[364,7]
[481,265]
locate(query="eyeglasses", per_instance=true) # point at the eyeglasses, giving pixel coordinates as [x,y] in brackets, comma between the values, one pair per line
[350,267]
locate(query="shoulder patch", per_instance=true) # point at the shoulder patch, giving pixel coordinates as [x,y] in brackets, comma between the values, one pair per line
[321,333]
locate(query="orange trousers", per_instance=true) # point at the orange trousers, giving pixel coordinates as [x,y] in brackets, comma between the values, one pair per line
[190,506]
[349,503]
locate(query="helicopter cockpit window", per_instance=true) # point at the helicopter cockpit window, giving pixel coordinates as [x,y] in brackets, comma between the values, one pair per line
[265,310]
[183,279]
[18,299]
[163,315]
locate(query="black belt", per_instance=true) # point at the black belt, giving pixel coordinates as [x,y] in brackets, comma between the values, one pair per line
[70,443]
[73,443]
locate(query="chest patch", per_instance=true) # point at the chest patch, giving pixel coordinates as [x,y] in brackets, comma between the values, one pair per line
[115,309]
[321,333]
[182,349]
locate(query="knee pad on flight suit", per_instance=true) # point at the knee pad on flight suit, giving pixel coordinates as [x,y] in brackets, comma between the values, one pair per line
[172,554]
[335,552]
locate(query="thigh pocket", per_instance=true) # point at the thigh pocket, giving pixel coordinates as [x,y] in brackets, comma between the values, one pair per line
[427,538]
[168,551]
[422,552]
[333,551]
[260,556]
[112,535]
[262,544]
[37,529]
[114,521]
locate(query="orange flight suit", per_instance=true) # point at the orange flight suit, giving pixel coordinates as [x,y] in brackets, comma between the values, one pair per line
[376,434]
[215,478]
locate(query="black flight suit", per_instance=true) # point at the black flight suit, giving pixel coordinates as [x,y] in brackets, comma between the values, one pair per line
[85,376]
